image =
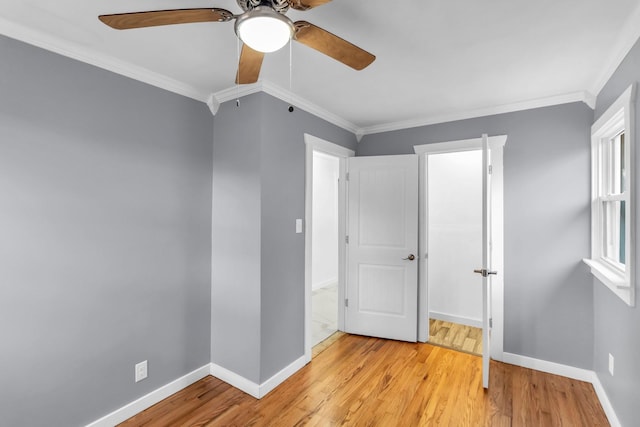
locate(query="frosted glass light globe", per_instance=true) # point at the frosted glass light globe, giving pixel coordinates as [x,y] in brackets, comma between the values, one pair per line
[264,29]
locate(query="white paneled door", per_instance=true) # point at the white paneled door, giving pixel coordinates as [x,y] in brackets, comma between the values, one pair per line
[382,248]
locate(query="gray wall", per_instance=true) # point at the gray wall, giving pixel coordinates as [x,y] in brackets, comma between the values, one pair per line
[283,178]
[105,216]
[235,265]
[258,259]
[548,306]
[617,326]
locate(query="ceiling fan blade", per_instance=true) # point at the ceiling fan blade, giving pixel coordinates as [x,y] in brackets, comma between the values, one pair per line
[126,21]
[332,45]
[306,4]
[249,67]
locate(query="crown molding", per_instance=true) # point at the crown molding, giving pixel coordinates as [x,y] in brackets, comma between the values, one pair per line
[626,40]
[583,96]
[213,104]
[89,56]
[288,97]
[629,35]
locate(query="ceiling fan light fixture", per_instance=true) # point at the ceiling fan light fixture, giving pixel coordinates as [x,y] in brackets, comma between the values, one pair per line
[263,29]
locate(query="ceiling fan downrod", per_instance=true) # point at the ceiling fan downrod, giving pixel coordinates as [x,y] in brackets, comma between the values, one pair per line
[280,6]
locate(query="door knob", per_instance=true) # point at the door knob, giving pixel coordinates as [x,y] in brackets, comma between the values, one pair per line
[411,257]
[484,272]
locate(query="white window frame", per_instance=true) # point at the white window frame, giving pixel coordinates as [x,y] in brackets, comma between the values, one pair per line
[618,118]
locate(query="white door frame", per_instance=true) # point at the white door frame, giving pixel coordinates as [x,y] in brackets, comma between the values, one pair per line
[316,144]
[496,144]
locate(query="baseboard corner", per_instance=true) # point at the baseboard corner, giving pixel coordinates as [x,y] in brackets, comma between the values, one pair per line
[604,401]
[251,388]
[569,372]
[235,380]
[282,376]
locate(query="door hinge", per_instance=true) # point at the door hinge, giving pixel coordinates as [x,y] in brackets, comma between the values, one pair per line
[346,239]
[490,169]
[346,302]
[491,322]
[347,176]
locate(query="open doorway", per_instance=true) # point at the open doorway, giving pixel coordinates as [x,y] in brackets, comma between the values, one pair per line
[324,241]
[454,245]
[446,306]
[325,198]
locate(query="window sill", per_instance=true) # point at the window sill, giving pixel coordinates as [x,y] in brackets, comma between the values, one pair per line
[611,278]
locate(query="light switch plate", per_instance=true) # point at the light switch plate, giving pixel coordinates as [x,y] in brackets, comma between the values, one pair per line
[298,226]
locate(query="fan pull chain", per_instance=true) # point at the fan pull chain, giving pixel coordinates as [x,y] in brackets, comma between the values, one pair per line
[291,72]
[238,76]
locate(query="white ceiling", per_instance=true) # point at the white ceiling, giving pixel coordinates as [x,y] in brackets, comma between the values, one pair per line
[436,59]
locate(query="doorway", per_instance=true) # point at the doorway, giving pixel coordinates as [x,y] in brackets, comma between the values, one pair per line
[325,197]
[324,241]
[448,305]
[454,247]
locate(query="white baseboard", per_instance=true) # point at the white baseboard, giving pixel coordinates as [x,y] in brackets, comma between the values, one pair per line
[235,380]
[148,400]
[549,367]
[476,323]
[604,401]
[257,390]
[569,372]
[281,376]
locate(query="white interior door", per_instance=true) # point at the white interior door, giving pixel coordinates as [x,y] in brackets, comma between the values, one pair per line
[382,248]
[486,270]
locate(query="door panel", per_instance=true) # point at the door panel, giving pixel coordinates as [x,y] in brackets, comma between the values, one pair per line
[382,282]
[486,260]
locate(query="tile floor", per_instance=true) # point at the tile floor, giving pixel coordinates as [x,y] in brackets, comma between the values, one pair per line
[324,313]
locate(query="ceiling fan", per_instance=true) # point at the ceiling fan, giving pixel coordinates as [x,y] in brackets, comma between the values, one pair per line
[263,28]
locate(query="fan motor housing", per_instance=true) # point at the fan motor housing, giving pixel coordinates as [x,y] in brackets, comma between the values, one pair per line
[280,6]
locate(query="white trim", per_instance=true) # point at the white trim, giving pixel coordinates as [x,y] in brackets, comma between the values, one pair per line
[236,92]
[605,402]
[624,101]
[106,62]
[583,96]
[90,56]
[619,116]
[476,323]
[257,390]
[289,97]
[281,376]
[150,399]
[548,367]
[496,143]
[423,293]
[235,380]
[213,104]
[316,144]
[625,41]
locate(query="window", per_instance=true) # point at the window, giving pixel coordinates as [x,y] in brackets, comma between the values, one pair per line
[612,204]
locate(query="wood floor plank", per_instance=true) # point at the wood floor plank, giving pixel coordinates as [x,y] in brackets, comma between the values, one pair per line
[361,381]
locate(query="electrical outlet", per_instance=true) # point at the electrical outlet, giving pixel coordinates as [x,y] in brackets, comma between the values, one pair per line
[141,371]
[611,364]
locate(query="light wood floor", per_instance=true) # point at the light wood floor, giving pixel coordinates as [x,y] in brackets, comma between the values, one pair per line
[360,381]
[455,336]
[323,345]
